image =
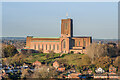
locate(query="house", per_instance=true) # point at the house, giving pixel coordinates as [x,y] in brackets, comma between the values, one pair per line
[99,70]
[112,69]
[112,44]
[74,75]
[107,76]
[3,73]
[114,76]
[36,63]
[99,76]
[72,71]
[61,69]
[89,71]
[56,64]
[25,65]
[85,72]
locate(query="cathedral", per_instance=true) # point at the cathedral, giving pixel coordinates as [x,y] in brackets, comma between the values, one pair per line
[66,43]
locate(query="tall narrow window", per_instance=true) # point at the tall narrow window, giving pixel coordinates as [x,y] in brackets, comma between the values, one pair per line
[46,46]
[42,46]
[57,47]
[79,43]
[66,25]
[54,47]
[34,46]
[38,46]
[73,42]
[76,43]
[50,47]
[64,44]
[84,43]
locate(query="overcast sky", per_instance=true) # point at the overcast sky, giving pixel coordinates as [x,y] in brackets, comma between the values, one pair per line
[96,19]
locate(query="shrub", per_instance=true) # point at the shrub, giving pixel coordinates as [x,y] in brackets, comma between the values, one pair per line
[78,53]
[9,50]
[72,52]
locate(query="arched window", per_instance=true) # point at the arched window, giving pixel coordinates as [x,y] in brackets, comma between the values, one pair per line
[50,47]
[54,47]
[46,46]
[64,44]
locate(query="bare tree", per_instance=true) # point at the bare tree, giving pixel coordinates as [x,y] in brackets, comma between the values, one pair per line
[96,50]
[26,73]
[45,72]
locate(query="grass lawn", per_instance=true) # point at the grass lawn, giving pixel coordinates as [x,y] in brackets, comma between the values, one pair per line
[75,59]
[70,59]
[42,57]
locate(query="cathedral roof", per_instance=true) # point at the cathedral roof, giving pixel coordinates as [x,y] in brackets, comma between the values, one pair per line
[46,37]
[81,36]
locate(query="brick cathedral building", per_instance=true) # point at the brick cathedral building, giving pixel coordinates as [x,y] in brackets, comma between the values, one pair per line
[64,44]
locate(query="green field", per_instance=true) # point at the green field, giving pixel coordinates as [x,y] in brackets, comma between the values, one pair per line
[70,59]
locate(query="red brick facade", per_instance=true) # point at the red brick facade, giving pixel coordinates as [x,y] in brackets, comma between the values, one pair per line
[56,64]
[64,44]
[37,63]
[61,69]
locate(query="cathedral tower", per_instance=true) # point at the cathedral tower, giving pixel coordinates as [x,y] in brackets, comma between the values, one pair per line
[67,27]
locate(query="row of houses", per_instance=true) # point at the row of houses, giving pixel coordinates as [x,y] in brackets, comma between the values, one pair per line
[72,73]
[99,72]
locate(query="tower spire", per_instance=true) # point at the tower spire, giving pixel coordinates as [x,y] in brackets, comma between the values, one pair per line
[67,15]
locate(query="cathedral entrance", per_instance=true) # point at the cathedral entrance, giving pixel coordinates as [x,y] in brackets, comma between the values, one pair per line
[63,46]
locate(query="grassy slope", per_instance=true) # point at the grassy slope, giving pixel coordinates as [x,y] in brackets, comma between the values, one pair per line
[70,59]
[41,57]
[75,59]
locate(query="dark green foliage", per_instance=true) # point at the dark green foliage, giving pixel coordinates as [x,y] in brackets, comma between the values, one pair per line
[112,51]
[47,56]
[72,52]
[9,51]
[14,76]
[63,55]
[103,62]
[40,54]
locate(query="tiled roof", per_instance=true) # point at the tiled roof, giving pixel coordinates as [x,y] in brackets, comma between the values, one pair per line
[37,62]
[45,37]
[74,75]
[81,36]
